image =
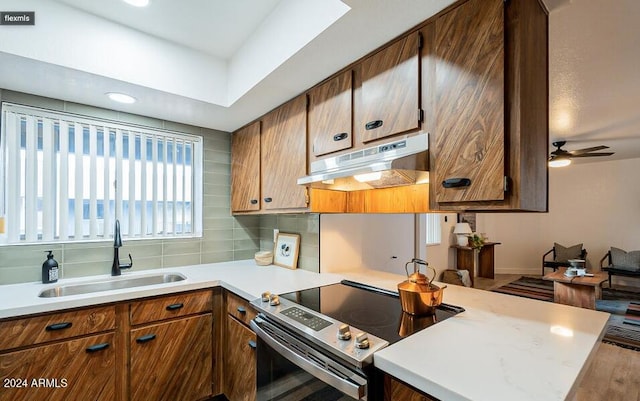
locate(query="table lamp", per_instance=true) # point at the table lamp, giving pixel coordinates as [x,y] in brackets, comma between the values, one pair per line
[462,230]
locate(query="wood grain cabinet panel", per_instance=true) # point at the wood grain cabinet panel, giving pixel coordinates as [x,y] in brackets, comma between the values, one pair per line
[469,134]
[171,306]
[81,369]
[40,329]
[395,390]
[388,101]
[240,308]
[490,93]
[245,169]
[172,360]
[239,362]
[284,156]
[330,119]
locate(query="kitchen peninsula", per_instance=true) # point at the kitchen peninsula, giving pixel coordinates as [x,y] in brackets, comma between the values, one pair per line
[501,348]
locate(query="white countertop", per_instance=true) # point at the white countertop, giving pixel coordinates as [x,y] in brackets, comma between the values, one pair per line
[242,277]
[501,348]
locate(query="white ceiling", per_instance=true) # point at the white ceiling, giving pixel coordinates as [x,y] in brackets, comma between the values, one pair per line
[222,63]
[215,27]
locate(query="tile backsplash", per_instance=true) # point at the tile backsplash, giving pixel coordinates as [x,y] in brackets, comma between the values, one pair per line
[307,225]
[225,237]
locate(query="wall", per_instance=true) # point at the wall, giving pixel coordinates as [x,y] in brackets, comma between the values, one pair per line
[307,225]
[597,204]
[225,237]
[366,241]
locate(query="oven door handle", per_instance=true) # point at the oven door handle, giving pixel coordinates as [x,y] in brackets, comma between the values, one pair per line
[350,388]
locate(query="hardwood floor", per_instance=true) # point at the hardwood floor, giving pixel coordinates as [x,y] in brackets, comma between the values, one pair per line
[613,374]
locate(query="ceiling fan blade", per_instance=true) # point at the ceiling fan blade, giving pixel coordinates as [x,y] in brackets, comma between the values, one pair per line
[593,154]
[578,152]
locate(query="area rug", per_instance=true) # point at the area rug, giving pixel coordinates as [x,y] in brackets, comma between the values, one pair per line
[623,327]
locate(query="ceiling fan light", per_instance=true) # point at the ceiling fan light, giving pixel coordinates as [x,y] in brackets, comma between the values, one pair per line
[559,162]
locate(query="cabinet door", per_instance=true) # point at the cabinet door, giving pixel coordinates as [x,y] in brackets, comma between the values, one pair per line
[283,155]
[388,100]
[469,139]
[172,361]
[330,115]
[239,362]
[245,169]
[395,390]
[82,369]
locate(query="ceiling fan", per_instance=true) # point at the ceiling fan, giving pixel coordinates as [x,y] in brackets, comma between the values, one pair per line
[561,157]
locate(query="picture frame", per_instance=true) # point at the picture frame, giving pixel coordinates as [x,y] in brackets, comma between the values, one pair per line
[286,249]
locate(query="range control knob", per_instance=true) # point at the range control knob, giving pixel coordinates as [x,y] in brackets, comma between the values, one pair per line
[274,300]
[362,341]
[265,296]
[344,332]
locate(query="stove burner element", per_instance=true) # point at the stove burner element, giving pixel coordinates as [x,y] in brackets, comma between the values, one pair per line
[364,318]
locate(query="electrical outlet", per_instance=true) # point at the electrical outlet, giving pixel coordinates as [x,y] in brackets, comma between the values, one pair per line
[275,234]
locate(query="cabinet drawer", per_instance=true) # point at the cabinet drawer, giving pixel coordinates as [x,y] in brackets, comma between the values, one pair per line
[55,326]
[240,308]
[171,306]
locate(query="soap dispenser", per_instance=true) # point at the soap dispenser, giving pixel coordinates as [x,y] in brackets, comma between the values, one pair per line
[49,269]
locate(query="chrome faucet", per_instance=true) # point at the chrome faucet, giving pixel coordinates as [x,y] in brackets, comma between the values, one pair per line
[117,243]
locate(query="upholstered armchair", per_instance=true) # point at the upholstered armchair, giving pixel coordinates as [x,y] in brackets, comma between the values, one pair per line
[561,255]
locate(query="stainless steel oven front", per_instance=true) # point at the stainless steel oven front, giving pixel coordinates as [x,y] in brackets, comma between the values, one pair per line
[291,369]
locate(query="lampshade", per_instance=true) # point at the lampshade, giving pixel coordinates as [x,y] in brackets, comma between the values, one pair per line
[462,228]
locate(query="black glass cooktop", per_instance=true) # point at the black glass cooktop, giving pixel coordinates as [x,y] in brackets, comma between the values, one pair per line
[370,309]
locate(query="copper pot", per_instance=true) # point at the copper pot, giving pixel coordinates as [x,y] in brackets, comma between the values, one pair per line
[417,295]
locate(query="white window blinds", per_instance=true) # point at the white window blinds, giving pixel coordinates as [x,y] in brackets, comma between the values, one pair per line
[434,229]
[67,178]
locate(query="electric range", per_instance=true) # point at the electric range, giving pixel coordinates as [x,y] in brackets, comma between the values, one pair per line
[329,335]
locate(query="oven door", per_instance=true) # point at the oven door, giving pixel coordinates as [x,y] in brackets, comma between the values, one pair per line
[289,369]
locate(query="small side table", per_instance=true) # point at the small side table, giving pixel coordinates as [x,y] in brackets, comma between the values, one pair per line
[576,291]
[465,260]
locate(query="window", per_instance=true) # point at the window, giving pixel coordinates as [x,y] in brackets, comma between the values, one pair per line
[434,230]
[65,177]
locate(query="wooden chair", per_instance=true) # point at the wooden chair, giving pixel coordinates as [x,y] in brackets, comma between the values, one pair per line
[606,265]
[554,264]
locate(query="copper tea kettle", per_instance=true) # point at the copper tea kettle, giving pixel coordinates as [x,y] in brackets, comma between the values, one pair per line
[417,295]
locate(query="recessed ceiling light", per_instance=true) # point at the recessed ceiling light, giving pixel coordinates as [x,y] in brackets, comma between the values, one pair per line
[121,97]
[138,3]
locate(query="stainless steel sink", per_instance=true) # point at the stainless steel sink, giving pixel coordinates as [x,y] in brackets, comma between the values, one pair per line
[106,285]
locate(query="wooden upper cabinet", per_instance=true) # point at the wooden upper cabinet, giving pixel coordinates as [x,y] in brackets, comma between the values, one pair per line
[283,155]
[388,100]
[245,169]
[330,120]
[468,143]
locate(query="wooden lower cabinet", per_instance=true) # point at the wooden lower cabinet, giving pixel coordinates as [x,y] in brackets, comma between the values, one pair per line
[80,369]
[172,360]
[239,362]
[395,390]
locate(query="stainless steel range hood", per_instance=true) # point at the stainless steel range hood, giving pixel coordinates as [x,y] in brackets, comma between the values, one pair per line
[400,162]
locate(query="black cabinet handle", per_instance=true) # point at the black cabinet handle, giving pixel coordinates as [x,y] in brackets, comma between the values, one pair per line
[252,344]
[373,125]
[97,347]
[241,309]
[456,182]
[268,200]
[174,306]
[58,326]
[254,201]
[146,338]
[340,136]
